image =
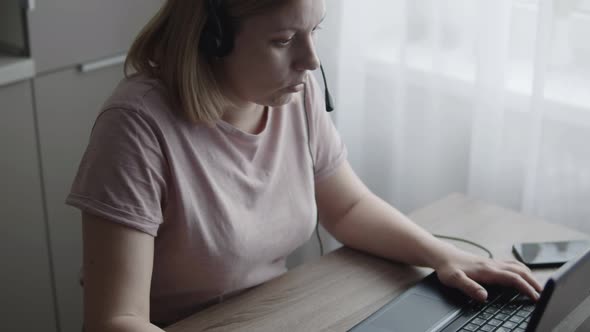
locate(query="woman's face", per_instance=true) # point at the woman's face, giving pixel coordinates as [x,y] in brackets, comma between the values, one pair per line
[272,54]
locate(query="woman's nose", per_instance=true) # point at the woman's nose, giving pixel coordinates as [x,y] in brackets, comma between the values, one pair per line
[308,59]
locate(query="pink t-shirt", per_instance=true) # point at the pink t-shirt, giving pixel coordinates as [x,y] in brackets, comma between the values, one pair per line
[225,207]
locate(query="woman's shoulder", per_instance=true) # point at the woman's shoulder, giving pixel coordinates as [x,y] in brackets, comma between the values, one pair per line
[140,94]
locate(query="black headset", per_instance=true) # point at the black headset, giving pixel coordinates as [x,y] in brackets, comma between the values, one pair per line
[217,39]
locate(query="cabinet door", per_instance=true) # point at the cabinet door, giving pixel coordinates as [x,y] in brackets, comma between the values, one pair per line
[63,33]
[27,300]
[67,104]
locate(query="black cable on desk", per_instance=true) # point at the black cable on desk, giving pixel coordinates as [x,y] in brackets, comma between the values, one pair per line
[452,238]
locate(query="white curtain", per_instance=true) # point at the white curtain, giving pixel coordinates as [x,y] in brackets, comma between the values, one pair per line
[486,97]
[490,98]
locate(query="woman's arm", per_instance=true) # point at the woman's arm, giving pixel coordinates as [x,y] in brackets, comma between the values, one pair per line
[117,276]
[359,219]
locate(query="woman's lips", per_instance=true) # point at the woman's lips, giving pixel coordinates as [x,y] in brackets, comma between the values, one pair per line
[295,87]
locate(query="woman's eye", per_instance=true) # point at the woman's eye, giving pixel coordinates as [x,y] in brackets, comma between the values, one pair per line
[283,42]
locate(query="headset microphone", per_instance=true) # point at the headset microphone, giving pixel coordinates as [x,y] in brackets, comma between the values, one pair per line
[328,98]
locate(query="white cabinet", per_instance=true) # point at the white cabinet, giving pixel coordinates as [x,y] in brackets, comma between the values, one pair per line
[26,292]
[45,124]
[63,33]
[67,103]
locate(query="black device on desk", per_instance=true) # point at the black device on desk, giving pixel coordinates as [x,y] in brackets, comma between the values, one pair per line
[429,306]
[549,254]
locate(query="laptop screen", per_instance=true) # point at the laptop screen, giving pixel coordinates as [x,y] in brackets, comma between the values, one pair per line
[568,305]
[577,320]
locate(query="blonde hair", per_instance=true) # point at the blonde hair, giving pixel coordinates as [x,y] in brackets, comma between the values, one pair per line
[167,48]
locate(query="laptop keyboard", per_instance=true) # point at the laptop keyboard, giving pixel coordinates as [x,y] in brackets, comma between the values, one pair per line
[503,312]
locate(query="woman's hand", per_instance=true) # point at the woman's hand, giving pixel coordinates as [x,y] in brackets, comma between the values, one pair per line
[466,271]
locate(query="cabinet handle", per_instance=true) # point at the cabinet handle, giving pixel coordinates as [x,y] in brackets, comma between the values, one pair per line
[28,4]
[103,63]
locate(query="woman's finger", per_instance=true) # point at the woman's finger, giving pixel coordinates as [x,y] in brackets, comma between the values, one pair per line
[525,273]
[515,280]
[513,262]
[458,279]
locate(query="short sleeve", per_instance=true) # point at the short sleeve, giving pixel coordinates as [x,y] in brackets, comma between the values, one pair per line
[328,149]
[122,175]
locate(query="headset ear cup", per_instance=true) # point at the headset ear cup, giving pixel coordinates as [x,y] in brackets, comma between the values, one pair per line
[217,35]
[210,38]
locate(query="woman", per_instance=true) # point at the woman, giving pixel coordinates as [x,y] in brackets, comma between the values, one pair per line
[204,169]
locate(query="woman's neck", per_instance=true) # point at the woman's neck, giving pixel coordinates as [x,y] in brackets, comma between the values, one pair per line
[250,119]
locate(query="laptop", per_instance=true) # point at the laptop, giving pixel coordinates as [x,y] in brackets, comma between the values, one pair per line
[429,306]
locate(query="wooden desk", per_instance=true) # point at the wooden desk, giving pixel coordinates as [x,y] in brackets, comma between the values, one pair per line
[342,288]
